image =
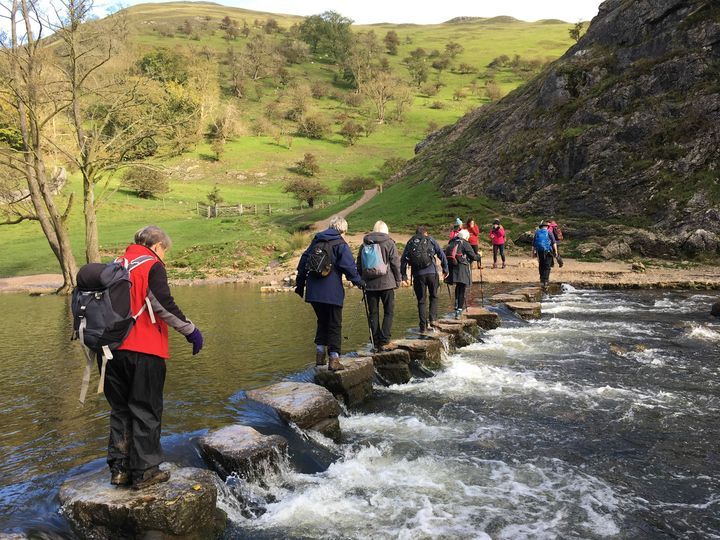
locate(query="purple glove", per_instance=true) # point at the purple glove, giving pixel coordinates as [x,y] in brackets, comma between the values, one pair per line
[196,338]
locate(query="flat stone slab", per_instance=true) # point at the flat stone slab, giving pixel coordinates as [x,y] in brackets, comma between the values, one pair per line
[525,310]
[183,506]
[353,384]
[531,294]
[393,366]
[426,351]
[508,297]
[265,289]
[485,319]
[308,405]
[241,449]
[463,331]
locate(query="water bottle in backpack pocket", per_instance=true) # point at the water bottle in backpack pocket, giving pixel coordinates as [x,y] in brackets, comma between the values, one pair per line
[102,316]
[372,262]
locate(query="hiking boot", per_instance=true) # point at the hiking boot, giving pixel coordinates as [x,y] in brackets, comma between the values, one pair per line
[320,359]
[503,265]
[119,477]
[150,477]
[334,364]
[494,266]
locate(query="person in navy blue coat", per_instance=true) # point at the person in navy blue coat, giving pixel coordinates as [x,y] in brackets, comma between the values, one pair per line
[327,294]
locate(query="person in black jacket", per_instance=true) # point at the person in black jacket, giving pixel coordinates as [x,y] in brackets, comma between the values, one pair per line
[425,275]
[460,271]
[382,276]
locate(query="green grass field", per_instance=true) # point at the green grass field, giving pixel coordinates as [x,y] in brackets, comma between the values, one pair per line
[254,169]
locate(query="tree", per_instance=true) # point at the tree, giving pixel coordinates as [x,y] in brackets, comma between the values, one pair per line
[362,61]
[214,196]
[418,69]
[391,167]
[402,98]
[306,190]
[146,182]
[313,126]
[392,41]
[440,65]
[465,68]
[452,49]
[493,90]
[230,27]
[356,184]
[380,90]
[576,31]
[351,132]
[308,165]
[328,33]
[218,147]
[24,74]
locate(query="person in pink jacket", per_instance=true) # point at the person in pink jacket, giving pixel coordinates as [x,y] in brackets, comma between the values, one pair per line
[497,237]
[474,232]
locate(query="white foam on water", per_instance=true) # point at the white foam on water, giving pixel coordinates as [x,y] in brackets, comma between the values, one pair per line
[705,333]
[405,428]
[391,496]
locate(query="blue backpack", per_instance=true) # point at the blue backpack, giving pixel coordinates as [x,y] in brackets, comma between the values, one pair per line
[372,262]
[541,241]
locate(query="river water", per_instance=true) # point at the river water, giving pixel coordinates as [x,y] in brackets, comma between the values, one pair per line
[601,420]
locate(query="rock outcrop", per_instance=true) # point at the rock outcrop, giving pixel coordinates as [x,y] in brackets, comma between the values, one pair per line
[307,405]
[624,127]
[184,506]
[241,450]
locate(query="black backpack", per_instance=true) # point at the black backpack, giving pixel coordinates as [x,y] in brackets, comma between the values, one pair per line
[454,254]
[420,252]
[101,311]
[320,260]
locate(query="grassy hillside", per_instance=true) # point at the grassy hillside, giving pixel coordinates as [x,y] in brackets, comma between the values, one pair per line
[254,168]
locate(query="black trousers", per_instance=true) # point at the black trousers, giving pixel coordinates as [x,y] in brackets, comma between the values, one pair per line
[329,326]
[426,286]
[498,248]
[381,333]
[545,260]
[134,389]
[460,291]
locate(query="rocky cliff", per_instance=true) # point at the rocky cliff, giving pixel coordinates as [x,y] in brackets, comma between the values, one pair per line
[623,129]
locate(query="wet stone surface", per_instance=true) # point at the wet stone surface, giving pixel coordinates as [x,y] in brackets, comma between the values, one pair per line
[530,294]
[353,384]
[485,319]
[184,506]
[393,366]
[525,310]
[241,449]
[308,405]
[427,351]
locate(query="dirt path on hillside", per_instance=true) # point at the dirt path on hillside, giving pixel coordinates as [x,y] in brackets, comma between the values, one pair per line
[325,223]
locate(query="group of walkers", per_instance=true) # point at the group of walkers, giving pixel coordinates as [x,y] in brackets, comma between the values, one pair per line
[133,381]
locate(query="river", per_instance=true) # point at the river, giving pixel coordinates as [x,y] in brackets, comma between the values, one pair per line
[601,420]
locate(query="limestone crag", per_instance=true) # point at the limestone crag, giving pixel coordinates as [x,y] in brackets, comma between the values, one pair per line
[308,405]
[353,384]
[625,127]
[240,449]
[183,506]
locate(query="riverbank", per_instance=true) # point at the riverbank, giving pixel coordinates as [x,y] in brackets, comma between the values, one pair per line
[519,269]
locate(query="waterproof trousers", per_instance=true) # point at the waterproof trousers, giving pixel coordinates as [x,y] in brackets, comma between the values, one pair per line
[134,389]
[381,333]
[329,326]
[545,263]
[498,248]
[426,286]
[460,291]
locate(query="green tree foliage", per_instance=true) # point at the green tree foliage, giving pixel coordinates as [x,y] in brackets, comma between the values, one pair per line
[391,166]
[306,190]
[417,66]
[314,126]
[308,165]
[145,182]
[351,132]
[356,184]
[576,31]
[327,34]
[214,197]
[230,28]
[164,66]
[452,49]
[392,41]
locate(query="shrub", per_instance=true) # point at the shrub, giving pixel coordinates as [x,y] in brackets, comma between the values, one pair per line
[493,90]
[314,126]
[319,89]
[459,94]
[431,127]
[353,99]
[356,184]
[214,196]
[391,166]
[306,190]
[145,182]
[351,132]
[430,89]
[437,105]
[308,165]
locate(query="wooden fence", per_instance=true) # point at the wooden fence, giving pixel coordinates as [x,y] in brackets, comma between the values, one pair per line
[226,210]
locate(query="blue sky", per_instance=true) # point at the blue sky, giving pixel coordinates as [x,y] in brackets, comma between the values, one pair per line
[404,11]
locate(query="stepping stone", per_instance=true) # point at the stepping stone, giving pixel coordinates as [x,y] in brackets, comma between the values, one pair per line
[353,384]
[506,297]
[427,351]
[553,288]
[485,319]
[393,366]
[463,331]
[242,450]
[275,289]
[525,310]
[715,309]
[307,405]
[468,325]
[183,506]
[531,294]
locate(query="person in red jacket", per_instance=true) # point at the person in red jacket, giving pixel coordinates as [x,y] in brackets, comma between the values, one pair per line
[497,237]
[135,376]
[474,232]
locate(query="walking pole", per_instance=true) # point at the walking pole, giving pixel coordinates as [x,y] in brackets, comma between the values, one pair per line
[367,317]
[482,293]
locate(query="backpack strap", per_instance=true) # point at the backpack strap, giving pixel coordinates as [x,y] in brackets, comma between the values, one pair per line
[106,355]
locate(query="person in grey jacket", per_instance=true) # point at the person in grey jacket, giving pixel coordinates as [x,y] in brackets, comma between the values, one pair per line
[460,271]
[382,277]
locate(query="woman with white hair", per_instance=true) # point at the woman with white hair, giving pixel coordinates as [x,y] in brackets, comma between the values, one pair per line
[378,262]
[319,279]
[459,254]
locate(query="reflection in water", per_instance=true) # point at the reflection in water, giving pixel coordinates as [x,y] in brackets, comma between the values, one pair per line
[600,420]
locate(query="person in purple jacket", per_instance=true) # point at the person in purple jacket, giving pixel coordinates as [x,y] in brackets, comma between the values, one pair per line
[327,294]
